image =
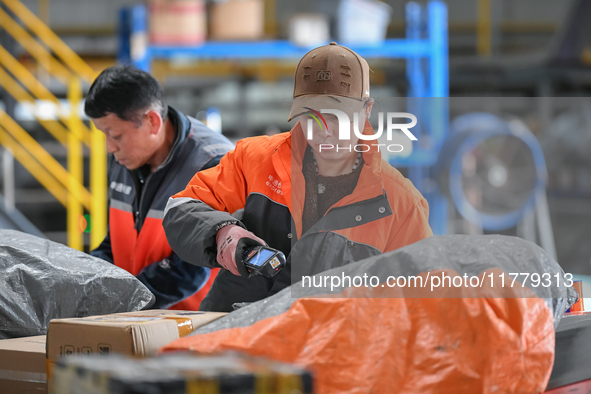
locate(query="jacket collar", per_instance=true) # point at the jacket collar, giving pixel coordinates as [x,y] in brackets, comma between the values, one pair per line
[182,126]
[292,149]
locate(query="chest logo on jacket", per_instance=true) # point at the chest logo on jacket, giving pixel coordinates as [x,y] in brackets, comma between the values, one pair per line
[121,188]
[275,185]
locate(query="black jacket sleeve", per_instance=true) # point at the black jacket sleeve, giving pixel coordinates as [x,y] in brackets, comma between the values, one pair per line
[193,217]
[172,280]
[191,227]
[103,251]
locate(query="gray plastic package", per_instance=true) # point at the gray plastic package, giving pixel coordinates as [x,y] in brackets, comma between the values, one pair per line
[42,280]
[465,254]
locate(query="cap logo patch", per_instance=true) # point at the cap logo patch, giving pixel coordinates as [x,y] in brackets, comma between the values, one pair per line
[346,68]
[323,75]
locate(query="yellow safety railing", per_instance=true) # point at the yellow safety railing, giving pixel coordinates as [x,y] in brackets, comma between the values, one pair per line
[483,30]
[66,185]
[69,57]
[75,165]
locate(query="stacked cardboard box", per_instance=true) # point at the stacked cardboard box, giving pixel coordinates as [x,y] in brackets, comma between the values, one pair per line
[177,22]
[22,365]
[137,334]
[237,20]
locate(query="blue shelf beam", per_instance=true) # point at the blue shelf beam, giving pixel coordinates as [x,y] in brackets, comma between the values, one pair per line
[279,49]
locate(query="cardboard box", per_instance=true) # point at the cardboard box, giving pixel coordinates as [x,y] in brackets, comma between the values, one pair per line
[137,334]
[177,22]
[22,365]
[237,20]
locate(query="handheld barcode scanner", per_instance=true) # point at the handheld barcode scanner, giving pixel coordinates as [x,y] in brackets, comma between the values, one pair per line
[262,260]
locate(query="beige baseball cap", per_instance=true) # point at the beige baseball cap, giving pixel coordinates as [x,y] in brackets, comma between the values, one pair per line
[330,77]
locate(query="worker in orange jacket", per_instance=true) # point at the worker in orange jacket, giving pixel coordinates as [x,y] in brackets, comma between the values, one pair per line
[320,200]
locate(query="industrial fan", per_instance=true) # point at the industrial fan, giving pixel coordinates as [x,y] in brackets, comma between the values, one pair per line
[495,174]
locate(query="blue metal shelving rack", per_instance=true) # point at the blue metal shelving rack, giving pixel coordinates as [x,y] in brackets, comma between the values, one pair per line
[426,52]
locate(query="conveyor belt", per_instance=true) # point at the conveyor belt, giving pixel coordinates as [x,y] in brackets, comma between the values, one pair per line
[572,362]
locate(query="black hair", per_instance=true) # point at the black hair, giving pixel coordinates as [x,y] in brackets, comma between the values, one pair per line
[123,91]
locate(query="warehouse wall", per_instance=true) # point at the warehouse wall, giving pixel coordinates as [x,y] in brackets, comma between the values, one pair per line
[92,13]
[82,13]
[518,26]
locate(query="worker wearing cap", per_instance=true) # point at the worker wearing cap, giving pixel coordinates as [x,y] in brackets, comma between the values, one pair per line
[322,207]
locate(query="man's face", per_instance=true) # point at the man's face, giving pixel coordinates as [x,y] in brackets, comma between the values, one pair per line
[131,143]
[325,138]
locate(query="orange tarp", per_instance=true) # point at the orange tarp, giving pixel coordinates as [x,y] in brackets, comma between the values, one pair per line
[403,345]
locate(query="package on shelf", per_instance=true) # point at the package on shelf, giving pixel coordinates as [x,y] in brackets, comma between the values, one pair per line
[362,22]
[177,22]
[309,30]
[237,20]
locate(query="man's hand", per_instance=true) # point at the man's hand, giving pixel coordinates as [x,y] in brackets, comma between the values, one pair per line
[227,240]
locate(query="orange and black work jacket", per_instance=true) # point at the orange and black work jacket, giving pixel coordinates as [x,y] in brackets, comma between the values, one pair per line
[263,178]
[136,241]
